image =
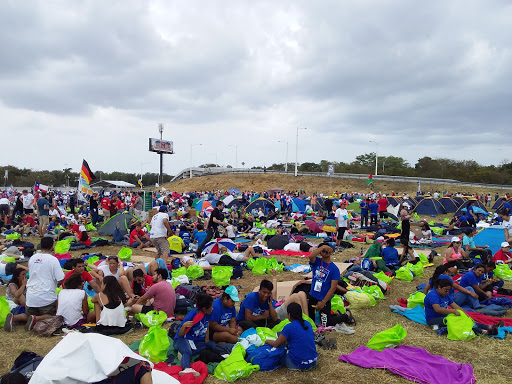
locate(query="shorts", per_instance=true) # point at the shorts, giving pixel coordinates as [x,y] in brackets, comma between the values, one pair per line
[10,268]
[80,322]
[238,256]
[106,214]
[341,232]
[146,308]
[28,210]
[4,209]
[162,246]
[44,220]
[50,309]
[282,313]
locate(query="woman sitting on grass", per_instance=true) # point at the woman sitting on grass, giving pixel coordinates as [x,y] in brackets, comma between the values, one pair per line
[109,304]
[16,293]
[301,353]
[72,303]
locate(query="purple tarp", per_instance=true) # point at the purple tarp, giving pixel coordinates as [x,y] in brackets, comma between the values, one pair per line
[415,364]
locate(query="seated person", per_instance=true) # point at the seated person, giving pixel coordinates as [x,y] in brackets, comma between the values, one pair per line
[492,282]
[72,303]
[503,256]
[78,267]
[256,310]
[185,235]
[112,267]
[139,238]
[15,293]
[160,296]
[176,244]
[193,335]
[82,236]
[140,282]
[390,255]
[426,234]
[223,322]
[109,303]
[468,243]
[409,255]
[455,252]
[473,279]
[299,298]
[301,351]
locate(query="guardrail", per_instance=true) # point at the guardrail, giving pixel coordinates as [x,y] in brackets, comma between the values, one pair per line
[198,172]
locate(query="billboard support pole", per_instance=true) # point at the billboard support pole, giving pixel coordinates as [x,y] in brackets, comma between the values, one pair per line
[160,180]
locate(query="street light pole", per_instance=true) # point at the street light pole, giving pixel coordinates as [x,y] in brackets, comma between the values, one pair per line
[285,164]
[376,156]
[297,150]
[161,179]
[236,154]
[190,169]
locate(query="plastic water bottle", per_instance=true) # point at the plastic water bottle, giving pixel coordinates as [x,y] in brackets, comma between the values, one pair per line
[362,252]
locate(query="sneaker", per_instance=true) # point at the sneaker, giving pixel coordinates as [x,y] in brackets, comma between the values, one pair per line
[344,328]
[30,323]
[8,323]
[190,370]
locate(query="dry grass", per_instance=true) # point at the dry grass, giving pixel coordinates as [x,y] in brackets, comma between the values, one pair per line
[311,184]
[490,358]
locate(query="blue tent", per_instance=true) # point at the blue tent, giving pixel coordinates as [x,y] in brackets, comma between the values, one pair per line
[394,200]
[449,204]
[235,203]
[500,206]
[264,204]
[492,236]
[429,206]
[498,203]
[300,204]
[476,203]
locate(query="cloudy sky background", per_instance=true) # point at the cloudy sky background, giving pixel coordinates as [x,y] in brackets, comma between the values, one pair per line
[93,79]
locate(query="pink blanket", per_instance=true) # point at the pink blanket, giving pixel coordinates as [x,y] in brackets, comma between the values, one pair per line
[289,253]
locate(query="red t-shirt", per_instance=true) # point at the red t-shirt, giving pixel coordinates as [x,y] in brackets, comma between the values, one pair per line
[120,204]
[383,204]
[105,203]
[30,221]
[113,205]
[86,276]
[133,200]
[148,282]
[134,233]
[501,256]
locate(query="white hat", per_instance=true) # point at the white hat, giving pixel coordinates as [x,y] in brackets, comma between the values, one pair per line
[505,244]
[455,239]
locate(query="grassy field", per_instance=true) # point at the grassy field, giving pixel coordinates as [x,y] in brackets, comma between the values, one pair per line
[489,357]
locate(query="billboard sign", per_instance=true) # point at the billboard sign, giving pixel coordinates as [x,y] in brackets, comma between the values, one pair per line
[160,146]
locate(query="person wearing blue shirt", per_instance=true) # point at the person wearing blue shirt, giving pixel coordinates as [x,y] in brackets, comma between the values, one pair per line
[374,211]
[193,334]
[223,323]
[200,235]
[390,254]
[470,213]
[483,251]
[437,302]
[364,213]
[473,279]
[185,235]
[255,310]
[301,351]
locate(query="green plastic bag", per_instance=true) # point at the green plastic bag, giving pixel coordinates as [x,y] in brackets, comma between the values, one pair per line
[503,271]
[235,366]
[404,274]
[4,310]
[383,277]
[374,291]
[359,299]
[279,327]
[390,338]
[90,304]
[437,230]
[7,259]
[459,327]
[125,254]
[250,263]
[175,282]
[195,271]
[446,220]
[90,227]
[260,266]
[93,259]
[337,304]
[63,246]
[13,236]
[266,334]
[152,318]
[415,299]
[417,269]
[221,275]
[154,344]
[416,217]
[179,272]
[423,259]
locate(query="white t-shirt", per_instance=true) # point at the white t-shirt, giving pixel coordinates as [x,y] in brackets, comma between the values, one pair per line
[106,271]
[212,258]
[508,226]
[70,305]
[53,212]
[230,230]
[4,201]
[2,268]
[158,228]
[427,234]
[28,201]
[45,272]
[342,216]
[295,247]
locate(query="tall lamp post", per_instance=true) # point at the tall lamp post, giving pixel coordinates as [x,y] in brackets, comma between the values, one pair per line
[376,156]
[286,163]
[190,168]
[297,150]
[236,154]
[161,178]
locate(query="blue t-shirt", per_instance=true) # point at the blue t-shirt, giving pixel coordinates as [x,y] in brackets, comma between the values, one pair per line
[185,235]
[374,209]
[463,218]
[301,344]
[323,275]
[390,256]
[470,210]
[252,302]
[452,291]
[435,298]
[41,202]
[470,279]
[200,236]
[222,315]
[198,331]
[364,208]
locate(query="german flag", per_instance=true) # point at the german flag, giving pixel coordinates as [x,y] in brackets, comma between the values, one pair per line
[87,173]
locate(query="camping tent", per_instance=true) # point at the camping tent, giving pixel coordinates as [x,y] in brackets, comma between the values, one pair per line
[261,202]
[450,206]
[123,219]
[500,205]
[235,203]
[394,200]
[463,208]
[300,204]
[429,206]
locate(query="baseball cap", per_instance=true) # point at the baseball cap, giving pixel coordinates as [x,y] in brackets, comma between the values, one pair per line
[505,244]
[455,239]
[14,251]
[232,292]
[163,208]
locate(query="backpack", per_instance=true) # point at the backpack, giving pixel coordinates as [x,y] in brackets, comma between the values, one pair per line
[173,329]
[267,357]
[238,272]
[48,326]
[26,363]
[189,291]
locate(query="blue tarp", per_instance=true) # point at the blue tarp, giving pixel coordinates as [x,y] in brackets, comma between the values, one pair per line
[492,236]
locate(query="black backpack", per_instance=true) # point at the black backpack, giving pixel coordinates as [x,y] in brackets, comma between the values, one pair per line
[26,363]
[173,329]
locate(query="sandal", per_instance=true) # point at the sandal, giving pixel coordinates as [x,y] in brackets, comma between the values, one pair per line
[351,319]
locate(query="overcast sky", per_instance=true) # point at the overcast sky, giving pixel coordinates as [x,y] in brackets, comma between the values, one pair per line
[93,79]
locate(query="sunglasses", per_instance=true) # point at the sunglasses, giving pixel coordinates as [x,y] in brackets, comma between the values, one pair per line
[456,242]
[112,258]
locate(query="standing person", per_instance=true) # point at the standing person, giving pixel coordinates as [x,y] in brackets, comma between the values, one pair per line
[105,208]
[45,273]
[383,206]
[374,212]
[5,208]
[120,205]
[72,203]
[364,212]
[43,209]
[341,219]
[160,230]
[93,205]
[213,222]
[28,202]
[162,294]
[113,205]
[138,205]
[405,218]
